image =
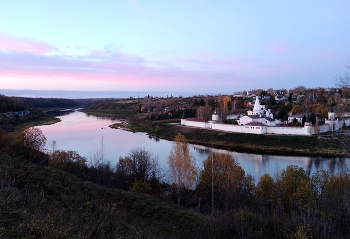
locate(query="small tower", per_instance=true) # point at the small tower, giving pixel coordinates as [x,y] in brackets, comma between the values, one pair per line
[331,114]
[183,119]
[257,107]
[308,121]
[215,116]
[308,126]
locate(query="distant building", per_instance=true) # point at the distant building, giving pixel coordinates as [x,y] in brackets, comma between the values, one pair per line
[260,121]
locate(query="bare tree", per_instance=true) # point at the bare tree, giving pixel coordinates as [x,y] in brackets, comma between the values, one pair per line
[343,82]
[143,164]
[204,112]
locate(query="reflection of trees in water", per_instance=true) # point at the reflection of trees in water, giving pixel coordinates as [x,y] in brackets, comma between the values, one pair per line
[333,165]
[308,164]
[155,138]
[60,112]
[317,163]
[100,117]
[264,158]
[201,149]
[311,164]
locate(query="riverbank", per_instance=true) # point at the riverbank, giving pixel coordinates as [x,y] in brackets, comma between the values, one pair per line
[37,119]
[291,145]
[247,143]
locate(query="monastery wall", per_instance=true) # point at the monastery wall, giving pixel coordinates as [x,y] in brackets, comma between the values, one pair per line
[283,130]
[195,123]
[228,127]
[287,130]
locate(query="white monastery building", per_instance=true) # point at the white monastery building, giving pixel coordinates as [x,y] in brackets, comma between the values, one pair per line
[260,121]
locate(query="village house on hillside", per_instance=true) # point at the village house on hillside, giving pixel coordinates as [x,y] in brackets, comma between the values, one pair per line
[11,114]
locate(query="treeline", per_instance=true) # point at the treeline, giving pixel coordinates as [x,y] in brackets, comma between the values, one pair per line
[293,204]
[50,102]
[12,104]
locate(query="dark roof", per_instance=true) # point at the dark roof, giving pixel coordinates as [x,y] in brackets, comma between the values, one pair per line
[256,124]
[253,116]
[301,115]
[196,119]
[269,119]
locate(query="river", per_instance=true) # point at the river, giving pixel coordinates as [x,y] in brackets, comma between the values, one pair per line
[86,133]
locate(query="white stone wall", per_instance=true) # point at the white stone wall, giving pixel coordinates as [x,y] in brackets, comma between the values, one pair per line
[240,128]
[287,130]
[228,127]
[195,123]
[284,130]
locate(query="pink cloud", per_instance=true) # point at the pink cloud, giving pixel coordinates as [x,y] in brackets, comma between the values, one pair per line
[23,59]
[278,48]
[18,44]
[203,55]
[232,62]
[326,56]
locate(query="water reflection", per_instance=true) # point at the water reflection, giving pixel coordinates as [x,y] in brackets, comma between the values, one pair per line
[257,164]
[83,133]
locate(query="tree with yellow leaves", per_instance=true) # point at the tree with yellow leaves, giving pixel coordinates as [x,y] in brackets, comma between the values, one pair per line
[182,166]
[226,175]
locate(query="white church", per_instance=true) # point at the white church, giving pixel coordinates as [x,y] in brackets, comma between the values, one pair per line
[260,121]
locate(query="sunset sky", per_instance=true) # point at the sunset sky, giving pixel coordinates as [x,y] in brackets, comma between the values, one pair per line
[202,46]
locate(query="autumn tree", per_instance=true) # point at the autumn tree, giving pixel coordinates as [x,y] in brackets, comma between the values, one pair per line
[266,190]
[138,167]
[34,140]
[182,166]
[295,188]
[69,161]
[227,176]
[296,109]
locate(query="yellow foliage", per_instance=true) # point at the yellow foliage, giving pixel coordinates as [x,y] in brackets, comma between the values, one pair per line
[296,109]
[182,164]
[67,160]
[226,174]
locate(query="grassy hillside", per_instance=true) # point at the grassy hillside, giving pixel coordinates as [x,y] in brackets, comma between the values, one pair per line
[57,195]
[117,109]
[44,202]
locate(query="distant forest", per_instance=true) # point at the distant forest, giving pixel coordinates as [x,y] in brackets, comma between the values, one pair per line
[10,103]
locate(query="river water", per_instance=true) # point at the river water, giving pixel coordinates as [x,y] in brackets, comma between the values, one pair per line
[85,133]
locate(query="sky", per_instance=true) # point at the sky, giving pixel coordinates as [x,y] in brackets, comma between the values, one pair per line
[200,46]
